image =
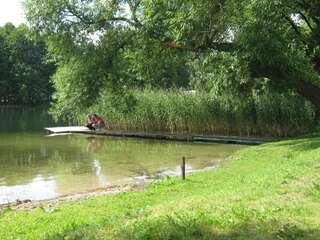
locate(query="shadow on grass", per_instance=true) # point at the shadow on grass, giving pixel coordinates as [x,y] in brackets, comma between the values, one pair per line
[169,230]
[77,232]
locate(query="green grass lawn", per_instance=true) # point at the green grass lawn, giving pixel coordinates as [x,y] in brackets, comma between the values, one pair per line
[270,191]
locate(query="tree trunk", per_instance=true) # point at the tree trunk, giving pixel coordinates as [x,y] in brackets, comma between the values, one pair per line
[310,92]
[316,62]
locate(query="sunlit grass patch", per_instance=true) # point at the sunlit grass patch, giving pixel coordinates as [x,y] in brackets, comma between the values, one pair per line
[314,191]
[265,192]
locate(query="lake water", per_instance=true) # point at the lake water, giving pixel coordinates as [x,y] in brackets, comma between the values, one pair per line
[36,166]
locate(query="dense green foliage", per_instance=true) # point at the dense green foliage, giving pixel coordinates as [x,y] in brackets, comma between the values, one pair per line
[24,73]
[266,192]
[151,40]
[267,114]
[225,48]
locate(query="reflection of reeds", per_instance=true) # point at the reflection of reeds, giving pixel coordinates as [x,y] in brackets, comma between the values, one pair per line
[202,113]
[140,170]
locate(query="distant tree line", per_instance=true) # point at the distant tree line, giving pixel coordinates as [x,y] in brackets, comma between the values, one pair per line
[24,70]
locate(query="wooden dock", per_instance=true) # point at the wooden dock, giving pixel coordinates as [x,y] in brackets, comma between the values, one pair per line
[71,129]
[160,136]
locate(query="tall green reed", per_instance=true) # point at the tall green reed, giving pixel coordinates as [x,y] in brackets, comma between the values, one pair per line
[174,111]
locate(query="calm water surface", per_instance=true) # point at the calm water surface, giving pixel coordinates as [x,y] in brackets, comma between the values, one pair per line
[36,166]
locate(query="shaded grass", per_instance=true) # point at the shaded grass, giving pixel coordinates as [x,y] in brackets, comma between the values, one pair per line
[266,192]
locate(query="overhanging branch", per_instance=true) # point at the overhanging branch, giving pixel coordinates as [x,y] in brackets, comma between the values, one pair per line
[295,28]
[306,20]
[223,47]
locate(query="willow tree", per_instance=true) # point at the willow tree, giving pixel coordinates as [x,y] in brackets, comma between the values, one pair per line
[277,40]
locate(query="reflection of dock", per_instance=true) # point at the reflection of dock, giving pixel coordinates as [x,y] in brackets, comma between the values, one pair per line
[161,136]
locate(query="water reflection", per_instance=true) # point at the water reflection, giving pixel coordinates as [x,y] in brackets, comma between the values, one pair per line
[102,178]
[39,188]
[35,166]
[94,144]
[24,119]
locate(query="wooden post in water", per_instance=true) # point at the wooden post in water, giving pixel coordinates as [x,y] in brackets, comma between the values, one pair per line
[183,168]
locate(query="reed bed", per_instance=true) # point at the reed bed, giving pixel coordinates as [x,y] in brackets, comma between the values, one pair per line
[181,112]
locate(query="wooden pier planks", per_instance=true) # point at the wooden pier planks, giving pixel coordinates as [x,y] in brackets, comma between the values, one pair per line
[71,129]
[160,136]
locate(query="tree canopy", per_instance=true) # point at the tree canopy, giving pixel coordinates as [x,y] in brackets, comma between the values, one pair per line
[24,73]
[239,45]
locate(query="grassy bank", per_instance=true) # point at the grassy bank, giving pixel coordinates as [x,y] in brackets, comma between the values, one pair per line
[270,191]
[268,114]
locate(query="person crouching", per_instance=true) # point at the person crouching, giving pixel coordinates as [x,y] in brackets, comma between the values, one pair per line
[95,122]
[90,122]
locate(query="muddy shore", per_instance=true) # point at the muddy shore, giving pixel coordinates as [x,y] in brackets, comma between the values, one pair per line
[51,203]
